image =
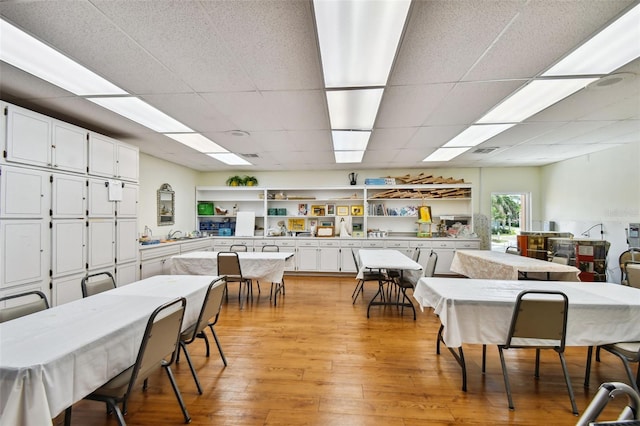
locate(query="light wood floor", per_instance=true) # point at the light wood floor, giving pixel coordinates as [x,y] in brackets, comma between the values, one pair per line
[315,359]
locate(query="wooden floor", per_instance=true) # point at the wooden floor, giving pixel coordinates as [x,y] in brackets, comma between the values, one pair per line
[315,359]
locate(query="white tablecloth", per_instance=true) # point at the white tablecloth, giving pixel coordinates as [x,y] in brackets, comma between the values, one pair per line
[389,259]
[497,265]
[479,311]
[53,358]
[261,266]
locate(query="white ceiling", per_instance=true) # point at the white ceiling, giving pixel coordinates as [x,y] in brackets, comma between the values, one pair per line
[219,66]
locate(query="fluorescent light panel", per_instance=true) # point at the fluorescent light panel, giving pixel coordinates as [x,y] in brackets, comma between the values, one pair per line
[33,56]
[141,112]
[353,109]
[348,141]
[613,47]
[358,39]
[197,142]
[533,98]
[230,159]
[477,134]
[349,156]
[445,154]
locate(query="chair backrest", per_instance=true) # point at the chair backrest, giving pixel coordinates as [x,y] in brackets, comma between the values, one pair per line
[270,247]
[229,264]
[539,314]
[355,260]
[560,258]
[416,254]
[512,250]
[97,283]
[160,340]
[430,269]
[632,271]
[210,307]
[238,247]
[23,304]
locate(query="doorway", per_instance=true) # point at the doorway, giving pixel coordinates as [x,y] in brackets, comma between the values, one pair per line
[509,216]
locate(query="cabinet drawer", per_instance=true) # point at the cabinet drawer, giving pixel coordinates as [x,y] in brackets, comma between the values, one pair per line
[160,252]
[195,246]
[373,244]
[248,243]
[220,242]
[471,245]
[421,244]
[439,244]
[350,244]
[309,243]
[329,244]
[396,244]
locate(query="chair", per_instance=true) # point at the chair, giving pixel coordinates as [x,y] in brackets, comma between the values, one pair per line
[366,276]
[560,258]
[633,255]
[279,287]
[95,286]
[543,318]
[404,284]
[159,341]
[27,303]
[238,247]
[229,266]
[632,273]
[627,352]
[512,250]
[210,309]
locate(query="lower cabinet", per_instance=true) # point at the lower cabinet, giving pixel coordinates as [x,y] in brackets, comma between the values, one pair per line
[127,273]
[154,261]
[329,256]
[66,289]
[307,256]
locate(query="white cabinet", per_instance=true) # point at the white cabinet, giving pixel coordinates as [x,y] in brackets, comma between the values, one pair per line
[101,243]
[127,273]
[329,256]
[69,247]
[24,193]
[196,245]
[445,250]
[68,196]
[111,158]
[126,241]
[66,289]
[155,260]
[347,264]
[128,206]
[39,140]
[23,252]
[98,199]
[307,255]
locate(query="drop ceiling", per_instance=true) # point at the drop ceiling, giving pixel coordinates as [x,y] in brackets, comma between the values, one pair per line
[254,66]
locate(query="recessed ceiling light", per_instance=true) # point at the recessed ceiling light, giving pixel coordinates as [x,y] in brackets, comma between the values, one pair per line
[611,80]
[238,133]
[445,154]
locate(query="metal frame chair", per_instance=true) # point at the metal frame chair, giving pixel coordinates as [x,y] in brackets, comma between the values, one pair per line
[16,311]
[91,287]
[210,309]
[632,273]
[513,250]
[159,341]
[238,247]
[405,284]
[366,276]
[627,352]
[542,318]
[279,287]
[229,266]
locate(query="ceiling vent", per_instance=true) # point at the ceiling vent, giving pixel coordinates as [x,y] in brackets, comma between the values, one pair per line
[485,150]
[250,155]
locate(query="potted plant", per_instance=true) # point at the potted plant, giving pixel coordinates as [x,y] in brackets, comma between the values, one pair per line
[235,181]
[250,181]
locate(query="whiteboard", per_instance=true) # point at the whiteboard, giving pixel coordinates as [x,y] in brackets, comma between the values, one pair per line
[245,224]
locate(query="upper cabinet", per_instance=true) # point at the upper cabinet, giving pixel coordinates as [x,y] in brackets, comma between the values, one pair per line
[111,158]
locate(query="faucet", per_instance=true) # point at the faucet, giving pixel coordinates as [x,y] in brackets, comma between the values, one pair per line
[173,234]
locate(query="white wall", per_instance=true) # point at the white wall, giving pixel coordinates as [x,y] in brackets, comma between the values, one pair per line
[602,187]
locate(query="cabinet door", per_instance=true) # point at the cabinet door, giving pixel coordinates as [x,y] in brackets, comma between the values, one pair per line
[24,193]
[28,137]
[445,257]
[329,259]
[307,258]
[128,206]
[127,273]
[347,264]
[102,155]
[23,253]
[126,241]
[69,147]
[68,197]
[127,162]
[68,244]
[98,199]
[101,243]
[66,289]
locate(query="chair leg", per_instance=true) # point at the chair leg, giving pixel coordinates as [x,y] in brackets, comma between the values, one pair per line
[203,335]
[215,337]
[439,339]
[113,406]
[67,416]
[587,370]
[537,373]
[174,385]
[484,359]
[193,370]
[505,374]
[567,379]
[357,291]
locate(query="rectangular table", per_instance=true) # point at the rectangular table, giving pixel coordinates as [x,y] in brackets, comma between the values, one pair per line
[54,358]
[478,311]
[486,264]
[382,260]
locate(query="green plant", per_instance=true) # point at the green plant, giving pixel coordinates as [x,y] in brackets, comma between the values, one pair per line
[235,181]
[250,181]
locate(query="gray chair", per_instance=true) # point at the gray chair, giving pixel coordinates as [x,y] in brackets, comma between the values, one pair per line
[628,352]
[278,287]
[229,267]
[560,258]
[540,315]
[210,309]
[405,284]
[159,342]
[22,304]
[512,250]
[632,273]
[238,247]
[97,283]
[378,277]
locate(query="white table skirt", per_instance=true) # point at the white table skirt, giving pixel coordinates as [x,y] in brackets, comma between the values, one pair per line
[485,264]
[53,358]
[479,311]
[389,259]
[261,266]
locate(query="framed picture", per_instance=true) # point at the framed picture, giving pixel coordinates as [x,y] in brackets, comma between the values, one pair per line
[342,210]
[325,231]
[318,210]
[302,209]
[357,210]
[296,225]
[331,209]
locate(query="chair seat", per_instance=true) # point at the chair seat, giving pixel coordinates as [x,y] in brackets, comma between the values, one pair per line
[629,350]
[117,386]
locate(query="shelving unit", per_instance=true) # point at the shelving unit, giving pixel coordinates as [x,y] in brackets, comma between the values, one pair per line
[536,244]
[230,200]
[590,256]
